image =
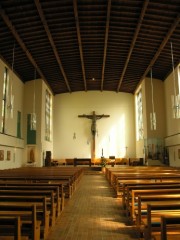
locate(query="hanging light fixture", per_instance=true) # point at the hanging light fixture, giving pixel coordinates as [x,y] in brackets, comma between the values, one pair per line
[33,114]
[10,102]
[175,99]
[153,114]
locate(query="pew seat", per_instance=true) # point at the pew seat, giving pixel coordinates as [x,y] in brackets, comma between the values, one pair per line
[144,200]
[43,215]
[170,227]
[133,202]
[10,227]
[30,226]
[154,213]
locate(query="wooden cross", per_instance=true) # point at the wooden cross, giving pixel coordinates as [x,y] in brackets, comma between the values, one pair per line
[94,118]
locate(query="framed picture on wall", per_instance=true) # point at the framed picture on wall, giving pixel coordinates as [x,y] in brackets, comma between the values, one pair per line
[8,155]
[1,155]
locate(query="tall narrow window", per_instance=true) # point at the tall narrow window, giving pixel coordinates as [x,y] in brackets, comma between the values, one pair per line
[19,124]
[4,100]
[31,134]
[48,111]
[139,115]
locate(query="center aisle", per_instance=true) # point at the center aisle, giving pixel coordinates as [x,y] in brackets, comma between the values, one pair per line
[93,213]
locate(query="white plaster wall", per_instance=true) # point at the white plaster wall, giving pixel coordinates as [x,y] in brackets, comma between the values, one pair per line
[39,86]
[8,141]
[140,149]
[114,133]
[31,88]
[45,145]
[174,155]
[159,108]
[173,125]
[172,139]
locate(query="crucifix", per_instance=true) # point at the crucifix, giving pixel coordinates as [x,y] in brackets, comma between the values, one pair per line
[94,118]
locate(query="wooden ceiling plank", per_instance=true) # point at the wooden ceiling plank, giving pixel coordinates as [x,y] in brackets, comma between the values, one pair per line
[21,43]
[106,63]
[106,42]
[144,8]
[45,25]
[80,43]
[161,47]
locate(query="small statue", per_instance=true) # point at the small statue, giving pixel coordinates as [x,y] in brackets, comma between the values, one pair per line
[32,158]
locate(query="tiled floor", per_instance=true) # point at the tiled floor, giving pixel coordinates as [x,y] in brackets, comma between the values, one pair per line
[93,213]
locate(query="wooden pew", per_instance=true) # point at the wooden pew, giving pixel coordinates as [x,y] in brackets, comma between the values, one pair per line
[144,200]
[33,188]
[52,183]
[151,177]
[28,172]
[39,185]
[170,227]
[50,195]
[65,178]
[154,213]
[30,226]
[139,184]
[46,175]
[136,193]
[133,191]
[10,227]
[43,179]
[64,185]
[41,209]
[125,168]
[159,173]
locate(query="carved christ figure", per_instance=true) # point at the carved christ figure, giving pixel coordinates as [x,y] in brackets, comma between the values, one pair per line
[94,118]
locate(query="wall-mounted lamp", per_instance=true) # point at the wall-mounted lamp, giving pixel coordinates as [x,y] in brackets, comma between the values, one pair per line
[126,149]
[74,135]
[175,99]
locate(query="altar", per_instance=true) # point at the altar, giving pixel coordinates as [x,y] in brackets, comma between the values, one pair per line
[82,160]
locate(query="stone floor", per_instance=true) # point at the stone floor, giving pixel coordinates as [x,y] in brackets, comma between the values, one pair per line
[93,213]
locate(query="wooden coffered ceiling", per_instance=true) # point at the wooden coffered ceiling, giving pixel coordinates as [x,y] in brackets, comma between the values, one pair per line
[84,45]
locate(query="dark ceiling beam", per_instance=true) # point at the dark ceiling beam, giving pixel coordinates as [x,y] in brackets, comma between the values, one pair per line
[133,42]
[80,43]
[161,47]
[43,19]
[105,42]
[21,43]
